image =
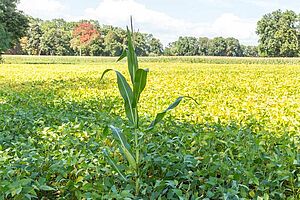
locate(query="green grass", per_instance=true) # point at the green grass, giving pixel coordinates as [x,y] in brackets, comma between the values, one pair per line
[242,141]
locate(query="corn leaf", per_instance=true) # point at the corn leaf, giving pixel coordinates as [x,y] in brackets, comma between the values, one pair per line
[161,115]
[103,74]
[123,55]
[113,164]
[139,84]
[127,94]
[119,136]
[131,57]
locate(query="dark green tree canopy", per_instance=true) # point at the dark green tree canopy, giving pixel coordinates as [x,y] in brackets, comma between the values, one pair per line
[279,34]
[13,24]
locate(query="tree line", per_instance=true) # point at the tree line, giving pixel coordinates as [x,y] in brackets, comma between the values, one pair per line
[87,38]
[203,46]
[279,36]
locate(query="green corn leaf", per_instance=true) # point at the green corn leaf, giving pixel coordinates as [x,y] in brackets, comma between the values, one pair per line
[161,115]
[127,94]
[103,74]
[131,57]
[123,55]
[139,84]
[124,145]
[113,164]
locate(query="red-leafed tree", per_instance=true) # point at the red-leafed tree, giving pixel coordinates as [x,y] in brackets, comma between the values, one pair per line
[83,35]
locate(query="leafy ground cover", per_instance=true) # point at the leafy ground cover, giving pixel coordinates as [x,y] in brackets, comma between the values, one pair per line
[242,141]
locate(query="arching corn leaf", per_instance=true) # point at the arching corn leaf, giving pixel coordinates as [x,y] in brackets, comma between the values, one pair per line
[113,164]
[123,55]
[161,115]
[119,136]
[127,94]
[103,74]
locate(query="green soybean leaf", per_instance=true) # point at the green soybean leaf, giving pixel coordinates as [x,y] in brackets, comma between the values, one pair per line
[124,145]
[139,84]
[123,55]
[161,115]
[113,164]
[127,94]
[46,188]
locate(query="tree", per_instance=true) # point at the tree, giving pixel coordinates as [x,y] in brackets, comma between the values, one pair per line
[185,46]
[249,51]
[4,39]
[156,47]
[278,34]
[34,35]
[13,24]
[217,47]
[203,46]
[83,35]
[233,47]
[56,38]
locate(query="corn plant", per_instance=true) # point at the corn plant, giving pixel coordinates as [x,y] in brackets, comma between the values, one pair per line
[131,96]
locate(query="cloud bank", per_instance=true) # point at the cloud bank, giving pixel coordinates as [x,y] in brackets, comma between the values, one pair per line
[165,27]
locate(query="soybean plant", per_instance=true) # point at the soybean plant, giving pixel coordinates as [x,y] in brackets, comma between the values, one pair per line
[131,96]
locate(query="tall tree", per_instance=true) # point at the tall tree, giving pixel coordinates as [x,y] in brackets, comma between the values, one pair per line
[13,24]
[217,47]
[56,38]
[185,46]
[249,51]
[203,46]
[156,47]
[83,35]
[34,35]
[233,47]
[278,34]
[114,40]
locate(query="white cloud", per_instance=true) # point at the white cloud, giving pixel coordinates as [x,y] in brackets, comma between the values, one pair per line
[161,25]
[167,28]
[42,8]
[230,25]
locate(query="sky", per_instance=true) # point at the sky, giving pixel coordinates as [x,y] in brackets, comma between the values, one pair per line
[167,19]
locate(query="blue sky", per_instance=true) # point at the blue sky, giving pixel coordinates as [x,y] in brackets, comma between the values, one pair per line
[167,19]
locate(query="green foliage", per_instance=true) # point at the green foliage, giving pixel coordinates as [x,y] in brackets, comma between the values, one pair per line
[241,142]
[278,34]
[185,46]
[131,98]
[58,37]
[217,47]
[13,24]
[191,46]
[4,39]
[249,51]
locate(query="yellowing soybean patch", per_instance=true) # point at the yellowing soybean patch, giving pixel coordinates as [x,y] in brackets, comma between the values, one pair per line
[268,94]
[242,140]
